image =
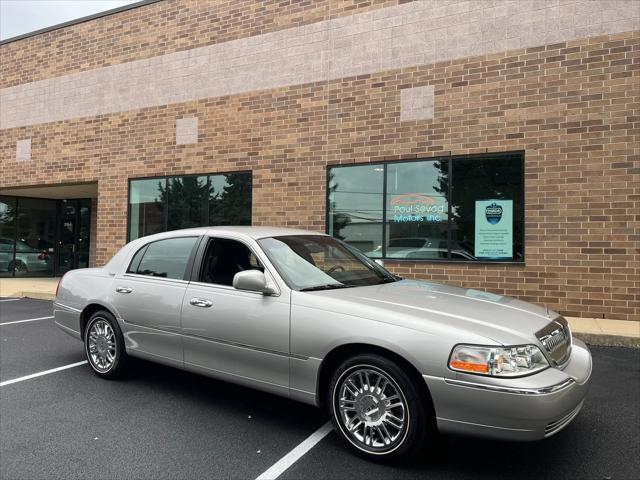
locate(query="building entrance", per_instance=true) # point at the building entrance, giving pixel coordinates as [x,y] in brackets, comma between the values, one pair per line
[43,237]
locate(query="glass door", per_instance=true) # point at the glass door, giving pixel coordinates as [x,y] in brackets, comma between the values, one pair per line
[73,235]
[35,239]
[83,233]
[8,216]
[66,236]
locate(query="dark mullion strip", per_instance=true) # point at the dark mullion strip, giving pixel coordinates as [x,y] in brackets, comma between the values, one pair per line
[450,195]
[384,211]
[166,206]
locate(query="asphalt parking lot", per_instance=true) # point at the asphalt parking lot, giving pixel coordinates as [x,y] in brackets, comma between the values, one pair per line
[163,423]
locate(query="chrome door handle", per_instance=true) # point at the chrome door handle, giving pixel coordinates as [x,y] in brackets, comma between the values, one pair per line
[124,289]
[200,302]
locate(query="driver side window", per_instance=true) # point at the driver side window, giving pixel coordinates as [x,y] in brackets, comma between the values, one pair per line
[223,258]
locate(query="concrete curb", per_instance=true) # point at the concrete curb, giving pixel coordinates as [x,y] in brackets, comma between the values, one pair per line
[603,340]
[35,295]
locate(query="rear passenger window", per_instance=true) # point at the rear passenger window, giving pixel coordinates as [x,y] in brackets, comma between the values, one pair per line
[166,258]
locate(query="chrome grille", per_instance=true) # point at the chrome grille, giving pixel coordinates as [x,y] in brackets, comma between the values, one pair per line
[556,339]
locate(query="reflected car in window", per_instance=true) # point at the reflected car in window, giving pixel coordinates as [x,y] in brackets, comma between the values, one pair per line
[400,247]
[27,259]
[305,316]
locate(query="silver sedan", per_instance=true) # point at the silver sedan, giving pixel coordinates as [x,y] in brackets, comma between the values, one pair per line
[306,316]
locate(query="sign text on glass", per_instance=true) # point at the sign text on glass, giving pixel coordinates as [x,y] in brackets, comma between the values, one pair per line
[417,207]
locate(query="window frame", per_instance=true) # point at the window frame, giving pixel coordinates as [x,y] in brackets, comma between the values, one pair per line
[166,209]
[451,159]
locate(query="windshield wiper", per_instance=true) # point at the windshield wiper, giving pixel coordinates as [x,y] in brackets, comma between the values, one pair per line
[328,286]
[391,279]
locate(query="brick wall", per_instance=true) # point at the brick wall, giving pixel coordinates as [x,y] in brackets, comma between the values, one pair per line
[572,106]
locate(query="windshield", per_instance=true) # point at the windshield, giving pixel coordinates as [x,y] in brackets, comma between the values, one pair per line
[314,262]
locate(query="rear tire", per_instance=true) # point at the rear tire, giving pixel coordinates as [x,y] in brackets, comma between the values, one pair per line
[104,345]
[376,408]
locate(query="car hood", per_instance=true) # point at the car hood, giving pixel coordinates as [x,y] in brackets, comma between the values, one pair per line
[428,306]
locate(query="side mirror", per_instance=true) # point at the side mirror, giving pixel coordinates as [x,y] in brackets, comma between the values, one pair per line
[253,281]
[379,262]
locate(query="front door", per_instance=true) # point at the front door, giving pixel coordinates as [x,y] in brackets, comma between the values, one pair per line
[244,335]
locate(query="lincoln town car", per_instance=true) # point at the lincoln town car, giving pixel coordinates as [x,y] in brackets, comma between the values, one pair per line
[306,316]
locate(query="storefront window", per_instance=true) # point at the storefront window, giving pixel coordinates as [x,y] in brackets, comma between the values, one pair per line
[417,210]
[488,196]
[35,242]
[7,235]
[146,207]
[189,201]
[230,199]
[468,208]
[355,206]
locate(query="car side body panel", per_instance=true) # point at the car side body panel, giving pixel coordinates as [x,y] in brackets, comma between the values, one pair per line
[243,334]
[321,323]
[149,314]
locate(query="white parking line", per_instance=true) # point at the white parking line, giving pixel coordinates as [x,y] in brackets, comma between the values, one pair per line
[27,320]
[296,454]
[39,374]
[9,299]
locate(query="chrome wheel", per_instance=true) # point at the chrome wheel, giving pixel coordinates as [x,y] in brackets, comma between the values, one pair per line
[101,345]
[371,409]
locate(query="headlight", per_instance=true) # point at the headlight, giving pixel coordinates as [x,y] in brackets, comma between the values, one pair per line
[497,361]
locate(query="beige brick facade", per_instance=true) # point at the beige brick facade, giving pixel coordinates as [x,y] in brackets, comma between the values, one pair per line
[569,97]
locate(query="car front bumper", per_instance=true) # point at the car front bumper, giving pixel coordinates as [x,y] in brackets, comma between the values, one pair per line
[525,408]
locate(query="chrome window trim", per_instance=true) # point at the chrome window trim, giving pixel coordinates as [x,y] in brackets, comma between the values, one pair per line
[154,278]
[513,390]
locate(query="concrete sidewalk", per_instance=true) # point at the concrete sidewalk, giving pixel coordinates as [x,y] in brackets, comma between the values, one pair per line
[41,288]
[605,332]
[594,331]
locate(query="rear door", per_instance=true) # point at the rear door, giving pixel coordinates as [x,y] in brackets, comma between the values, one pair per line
[240,334]
[148,297]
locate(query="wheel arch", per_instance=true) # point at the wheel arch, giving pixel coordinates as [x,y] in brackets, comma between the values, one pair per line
[337,355]
[89,310]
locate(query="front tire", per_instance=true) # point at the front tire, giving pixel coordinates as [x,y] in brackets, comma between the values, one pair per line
[18,266]
[376,409]
[104,345]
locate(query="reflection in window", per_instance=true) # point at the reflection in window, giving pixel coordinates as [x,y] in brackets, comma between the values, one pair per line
[355,206]
[417,210]
[167,258]
[84,227]
[463,208]
[187,202]
[146,207]
[230,199]
[7,235]
[164,204]
[35,243]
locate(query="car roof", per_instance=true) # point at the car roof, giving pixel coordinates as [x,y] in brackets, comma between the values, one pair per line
[261,232]
[246,231]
